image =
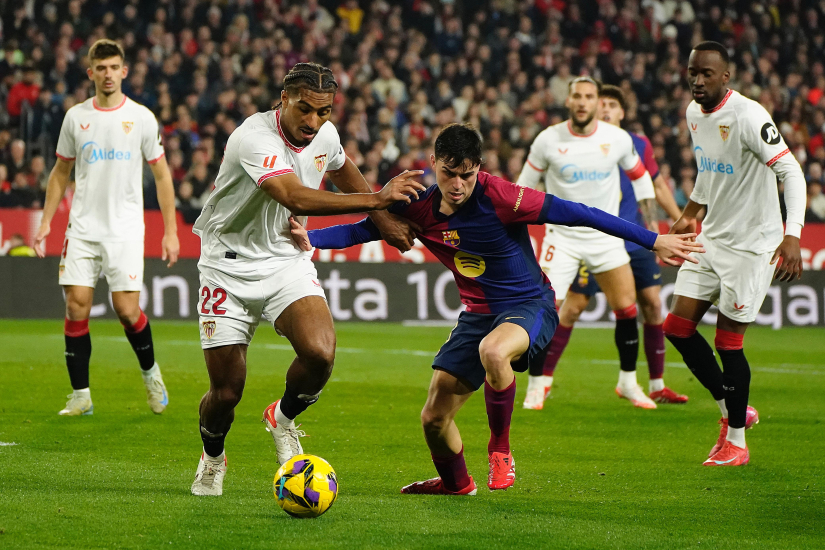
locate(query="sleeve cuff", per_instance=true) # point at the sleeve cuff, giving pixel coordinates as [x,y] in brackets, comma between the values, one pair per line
[793,229]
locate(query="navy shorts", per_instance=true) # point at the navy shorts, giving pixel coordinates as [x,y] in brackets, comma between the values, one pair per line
[459,355]
[645,269]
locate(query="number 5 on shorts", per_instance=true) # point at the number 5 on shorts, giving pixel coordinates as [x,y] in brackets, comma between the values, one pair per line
[220,297]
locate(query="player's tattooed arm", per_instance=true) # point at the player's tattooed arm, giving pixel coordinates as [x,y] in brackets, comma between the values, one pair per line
[664,196]
[397,231]
[648,210]
[58,181]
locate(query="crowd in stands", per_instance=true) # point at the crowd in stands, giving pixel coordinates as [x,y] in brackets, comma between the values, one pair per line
[405,68]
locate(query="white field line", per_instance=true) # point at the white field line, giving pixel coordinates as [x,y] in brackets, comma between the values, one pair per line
[773,368]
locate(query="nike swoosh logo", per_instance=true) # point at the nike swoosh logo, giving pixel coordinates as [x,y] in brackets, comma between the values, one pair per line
[513,318]
[724,461]
[657,276]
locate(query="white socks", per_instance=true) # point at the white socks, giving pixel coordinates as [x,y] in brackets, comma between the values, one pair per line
[220,458]
[154,371]
[723,408]
[627,379]
[737,437]
[281,419]
[83,393]
[541,380]
[656,384]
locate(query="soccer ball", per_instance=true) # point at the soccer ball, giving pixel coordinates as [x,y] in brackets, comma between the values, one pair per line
[306,486]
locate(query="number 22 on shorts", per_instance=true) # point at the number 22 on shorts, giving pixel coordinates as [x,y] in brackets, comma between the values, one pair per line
[219,295]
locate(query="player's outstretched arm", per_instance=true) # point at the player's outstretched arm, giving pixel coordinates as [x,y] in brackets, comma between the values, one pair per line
[574,214]
[397,231]
[303,201]
[335,237]
[165,189]
[58,181]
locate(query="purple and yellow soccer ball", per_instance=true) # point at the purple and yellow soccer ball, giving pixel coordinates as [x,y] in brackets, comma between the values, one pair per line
[306,486]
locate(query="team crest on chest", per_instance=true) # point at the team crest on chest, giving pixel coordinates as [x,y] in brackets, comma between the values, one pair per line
[605,147]
[127,127]
[320,162]
[451,237]
[724,131]
[208,329]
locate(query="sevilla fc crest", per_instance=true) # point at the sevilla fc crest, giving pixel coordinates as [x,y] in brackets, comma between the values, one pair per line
[605,148]
[724,131]
[127,127]
[208,329]
[320,162]
[451,238]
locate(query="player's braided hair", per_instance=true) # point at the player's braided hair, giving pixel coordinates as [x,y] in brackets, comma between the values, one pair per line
[310,76]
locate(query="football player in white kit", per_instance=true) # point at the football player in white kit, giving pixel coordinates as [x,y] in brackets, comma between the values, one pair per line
[106,139]
[579,160]
[739,154]
[250,268]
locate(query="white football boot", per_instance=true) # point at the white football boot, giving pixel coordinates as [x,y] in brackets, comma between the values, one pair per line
[636,395]
[287,442]
[537,391]
[209,477]
[79,404]
[156,394]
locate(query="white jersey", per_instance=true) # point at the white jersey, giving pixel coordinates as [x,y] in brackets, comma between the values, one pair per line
[585,169]
[245,232]
[108,147]
[736,147]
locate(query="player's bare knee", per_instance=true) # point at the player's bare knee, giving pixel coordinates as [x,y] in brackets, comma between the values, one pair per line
[230,395]
[433,421]
[493,354]
[76,308]
[652,312]
[318,356]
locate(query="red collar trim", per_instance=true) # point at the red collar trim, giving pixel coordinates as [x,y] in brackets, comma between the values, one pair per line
[574,134]
[283,136]
[721,104]
[97,107]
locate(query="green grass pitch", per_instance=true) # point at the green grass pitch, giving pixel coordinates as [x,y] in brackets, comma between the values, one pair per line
[593,472]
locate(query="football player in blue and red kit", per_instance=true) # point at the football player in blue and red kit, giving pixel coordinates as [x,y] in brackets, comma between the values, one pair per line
[476,225]
[646,274]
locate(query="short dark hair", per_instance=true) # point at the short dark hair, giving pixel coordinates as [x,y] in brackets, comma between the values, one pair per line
[711,46]
[613,92]
[104,49]
[310,76]
[585,78]
[457,143]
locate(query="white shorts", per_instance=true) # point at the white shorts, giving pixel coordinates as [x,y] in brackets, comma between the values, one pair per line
[121,262]
[230,307]
[561,258]
[736,282]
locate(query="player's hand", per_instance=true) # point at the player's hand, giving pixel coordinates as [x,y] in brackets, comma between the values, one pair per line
[671,247]
[684,225]
[395,230]
[400,189]
[789,260]
[170,248]
[299,235]
[39,245]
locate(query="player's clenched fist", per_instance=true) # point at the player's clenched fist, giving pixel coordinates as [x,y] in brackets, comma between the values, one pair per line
[401,188]
[669,247]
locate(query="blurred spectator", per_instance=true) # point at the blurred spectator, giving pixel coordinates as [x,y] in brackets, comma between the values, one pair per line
[404,69]
[23,92]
